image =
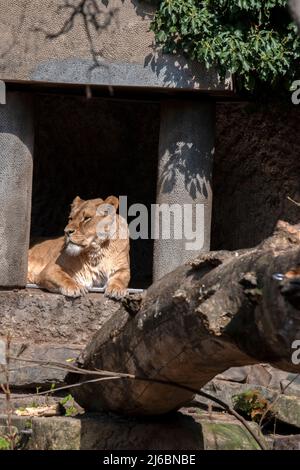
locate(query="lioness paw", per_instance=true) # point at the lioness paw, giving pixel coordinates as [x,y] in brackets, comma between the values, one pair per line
[115,293]
[74,290]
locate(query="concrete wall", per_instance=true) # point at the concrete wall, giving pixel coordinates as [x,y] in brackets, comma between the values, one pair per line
[38,42]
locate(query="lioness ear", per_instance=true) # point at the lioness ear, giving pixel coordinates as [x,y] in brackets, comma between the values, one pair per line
[76,202]
[113,201]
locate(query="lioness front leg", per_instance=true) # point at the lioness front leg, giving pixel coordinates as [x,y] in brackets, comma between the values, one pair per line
[117,284]
[55,279]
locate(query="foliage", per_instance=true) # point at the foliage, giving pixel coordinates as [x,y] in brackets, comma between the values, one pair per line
[68,403]
[251,404]
[255,39]
[4,443]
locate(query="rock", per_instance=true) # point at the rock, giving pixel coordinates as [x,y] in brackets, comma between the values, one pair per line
[259,375]
[284,381]
[46,326]
[30,376]
[38,316]
[264,375]
[287,410]
[286,442]
[185,430]
[254,375]
[220,435]
[291,388]
[226,391]
[234,374]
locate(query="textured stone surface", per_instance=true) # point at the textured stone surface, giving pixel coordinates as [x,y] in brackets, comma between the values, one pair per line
[16,144]
[30,376]
[218,435]
[186,148]
[226,391]
[23,400]
[286,442]
[263,375]
[48,327]
[285,407]
[235,374]
[256,167]
[34,316]
[287,410]
[284,382]
[31,49]
[181,431]
[254,374]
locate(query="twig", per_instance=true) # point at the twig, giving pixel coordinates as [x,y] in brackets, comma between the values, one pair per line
[6,389]
[294,202]
[109,375]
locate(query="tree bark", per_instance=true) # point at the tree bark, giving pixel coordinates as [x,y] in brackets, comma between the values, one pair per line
[223,309]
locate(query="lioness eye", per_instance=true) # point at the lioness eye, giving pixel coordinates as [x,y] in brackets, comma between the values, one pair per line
[86,219]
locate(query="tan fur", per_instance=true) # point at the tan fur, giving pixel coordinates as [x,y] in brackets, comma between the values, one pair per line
[81,259]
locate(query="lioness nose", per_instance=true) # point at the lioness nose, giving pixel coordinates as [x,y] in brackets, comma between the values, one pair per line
[69,231]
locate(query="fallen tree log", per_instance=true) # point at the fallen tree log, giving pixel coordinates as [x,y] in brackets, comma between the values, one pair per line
[221,310]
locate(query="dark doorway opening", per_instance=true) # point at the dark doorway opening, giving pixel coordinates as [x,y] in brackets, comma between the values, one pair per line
[94,148]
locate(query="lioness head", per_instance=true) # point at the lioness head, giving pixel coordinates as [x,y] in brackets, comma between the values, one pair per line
[89,223]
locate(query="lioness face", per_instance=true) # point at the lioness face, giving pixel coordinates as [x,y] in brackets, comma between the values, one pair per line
[89,221]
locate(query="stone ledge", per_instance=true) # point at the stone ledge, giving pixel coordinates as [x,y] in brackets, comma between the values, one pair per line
[39,317]
[47,327]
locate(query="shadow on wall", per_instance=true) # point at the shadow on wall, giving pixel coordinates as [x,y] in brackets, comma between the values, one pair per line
[172,70]
[96,16]
[181,162]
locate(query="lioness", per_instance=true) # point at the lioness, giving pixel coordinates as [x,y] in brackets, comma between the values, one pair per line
[88,255]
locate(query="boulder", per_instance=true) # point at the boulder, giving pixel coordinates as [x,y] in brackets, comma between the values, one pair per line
[287,410]
[28,376]
[291,442]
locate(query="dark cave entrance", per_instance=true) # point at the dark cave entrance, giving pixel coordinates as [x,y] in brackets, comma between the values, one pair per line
[94,148]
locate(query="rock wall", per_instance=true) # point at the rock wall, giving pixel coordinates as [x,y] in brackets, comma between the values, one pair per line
[257,166]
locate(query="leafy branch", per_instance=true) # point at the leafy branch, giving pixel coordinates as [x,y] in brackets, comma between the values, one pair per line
[254,39]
